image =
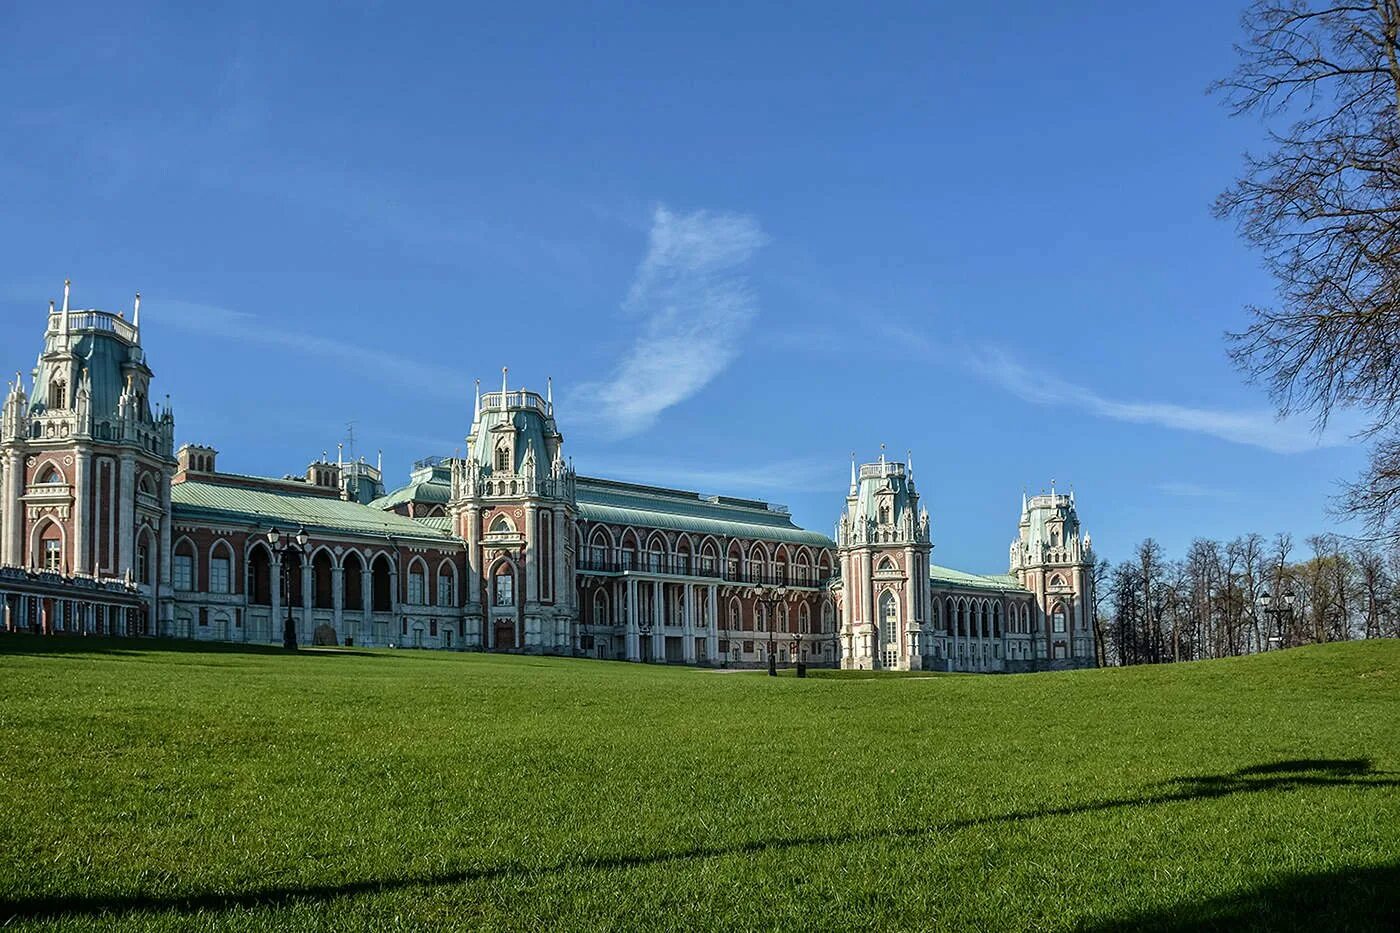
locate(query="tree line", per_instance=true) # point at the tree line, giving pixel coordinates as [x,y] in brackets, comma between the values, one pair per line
[1243,596]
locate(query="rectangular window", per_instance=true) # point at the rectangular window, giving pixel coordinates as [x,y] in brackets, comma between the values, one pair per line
[505,588]
[444,589]
[1059,620]
[218,575]
[53,556]
[184,572]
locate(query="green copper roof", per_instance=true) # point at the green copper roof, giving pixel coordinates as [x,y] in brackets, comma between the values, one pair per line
[289,511]
[601,500]
[431,484]
[442,523]
[948,577]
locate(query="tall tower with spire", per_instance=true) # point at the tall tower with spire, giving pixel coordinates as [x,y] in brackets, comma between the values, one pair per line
[87,460]
[513,503]
[1055,561]
[883,546]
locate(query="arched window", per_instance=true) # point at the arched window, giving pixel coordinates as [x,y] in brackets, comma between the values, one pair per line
[736,621]
[804,620]
[1058,618]
[887,566]
[147,485]
[323,588]
[1057,580]
[182,568]
[50,554]
[502,526]
[220,568]
[52,477]
[353,582]
[417,584]
[58,395]
[145,561]
[828,618]
[259,586]
[503,585]
[503,457]
[446,585]
[382,584]
[884,513]
[600,608]
[889,629]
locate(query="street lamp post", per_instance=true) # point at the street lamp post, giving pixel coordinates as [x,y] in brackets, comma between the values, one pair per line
[644,630]
[801,662]
[773,597]
[1286,610]
[296,544]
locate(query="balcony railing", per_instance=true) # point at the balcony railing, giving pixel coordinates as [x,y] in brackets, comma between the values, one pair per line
[612,561]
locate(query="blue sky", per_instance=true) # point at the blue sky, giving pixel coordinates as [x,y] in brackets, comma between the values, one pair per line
[745,240]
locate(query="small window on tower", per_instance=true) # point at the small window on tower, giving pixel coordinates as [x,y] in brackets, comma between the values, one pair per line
[53,555]
[58,395]
[503,458]
[884,513]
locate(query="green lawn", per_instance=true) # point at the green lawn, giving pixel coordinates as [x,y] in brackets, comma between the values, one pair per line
[152,784]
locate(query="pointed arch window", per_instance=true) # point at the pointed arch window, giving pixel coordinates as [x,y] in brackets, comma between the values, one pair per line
[502,457]
[503,585]
[52,477]
[884,513]
[58,394]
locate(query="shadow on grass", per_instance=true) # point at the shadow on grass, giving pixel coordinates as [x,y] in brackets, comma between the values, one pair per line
[1351,899]
[29,645]
[1276,776]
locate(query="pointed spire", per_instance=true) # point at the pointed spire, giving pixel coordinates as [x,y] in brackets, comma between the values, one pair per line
[380,463]
[1025,503]
[136,316]
[909,463]
[549,391]
[66,286]
[505,371]
[853,472]
[340,456]
[476,410]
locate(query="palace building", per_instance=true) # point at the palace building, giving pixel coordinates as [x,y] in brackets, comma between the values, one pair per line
[107,528]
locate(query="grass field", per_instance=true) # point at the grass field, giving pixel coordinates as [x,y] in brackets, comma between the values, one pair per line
[146,784]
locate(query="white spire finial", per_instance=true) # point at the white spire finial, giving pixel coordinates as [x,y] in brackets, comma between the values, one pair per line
[909,462]
[66,285]
[476,409]
[549,390]
[380,463]
[505,371]
[340,455]
[853,471]
[136,314]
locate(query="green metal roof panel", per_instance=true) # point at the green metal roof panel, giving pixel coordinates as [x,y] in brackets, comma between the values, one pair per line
[289,511]
[441,523]
[948,577]
[430,492]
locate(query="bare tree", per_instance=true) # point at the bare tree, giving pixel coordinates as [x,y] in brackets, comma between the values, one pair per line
[1323,208]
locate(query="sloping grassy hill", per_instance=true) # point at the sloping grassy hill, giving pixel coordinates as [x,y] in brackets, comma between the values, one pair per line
[146,784]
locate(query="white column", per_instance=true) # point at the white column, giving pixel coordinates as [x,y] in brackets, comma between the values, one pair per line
[126,512]
[366,605]
[634,640]
[658,615]
[712,620]
[82,514]
[308,586]
[275,585]
[338,599]
[688,622]
[10,551]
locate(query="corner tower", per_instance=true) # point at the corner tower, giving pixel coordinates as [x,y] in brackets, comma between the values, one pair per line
[513,502]
[1053,560]
[882,544]
[87,462]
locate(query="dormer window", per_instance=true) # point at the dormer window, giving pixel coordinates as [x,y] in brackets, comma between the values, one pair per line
[884,513]
[58,395]
[502,458]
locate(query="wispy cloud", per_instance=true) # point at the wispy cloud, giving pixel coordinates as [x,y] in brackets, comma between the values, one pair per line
[384,367]
[693,305]
[1256,428]
[802,474]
